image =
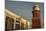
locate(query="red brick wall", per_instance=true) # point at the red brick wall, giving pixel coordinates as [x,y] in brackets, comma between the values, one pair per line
[36,22]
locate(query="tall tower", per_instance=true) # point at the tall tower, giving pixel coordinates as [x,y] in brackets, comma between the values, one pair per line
[36,17]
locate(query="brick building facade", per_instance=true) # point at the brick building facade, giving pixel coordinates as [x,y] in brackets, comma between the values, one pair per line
[36,17]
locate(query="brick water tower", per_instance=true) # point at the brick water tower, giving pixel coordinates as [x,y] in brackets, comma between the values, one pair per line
[36,17]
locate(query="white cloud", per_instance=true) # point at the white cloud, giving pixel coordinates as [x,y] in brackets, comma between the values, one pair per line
[29,0]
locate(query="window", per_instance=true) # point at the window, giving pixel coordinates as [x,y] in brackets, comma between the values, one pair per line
[9,23]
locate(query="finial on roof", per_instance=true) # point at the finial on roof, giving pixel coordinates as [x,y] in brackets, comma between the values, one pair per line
[36,5]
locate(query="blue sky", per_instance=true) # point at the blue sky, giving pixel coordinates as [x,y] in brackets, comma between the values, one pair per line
[22,8]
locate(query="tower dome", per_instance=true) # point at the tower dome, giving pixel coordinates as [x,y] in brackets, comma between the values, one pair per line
[36,7]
